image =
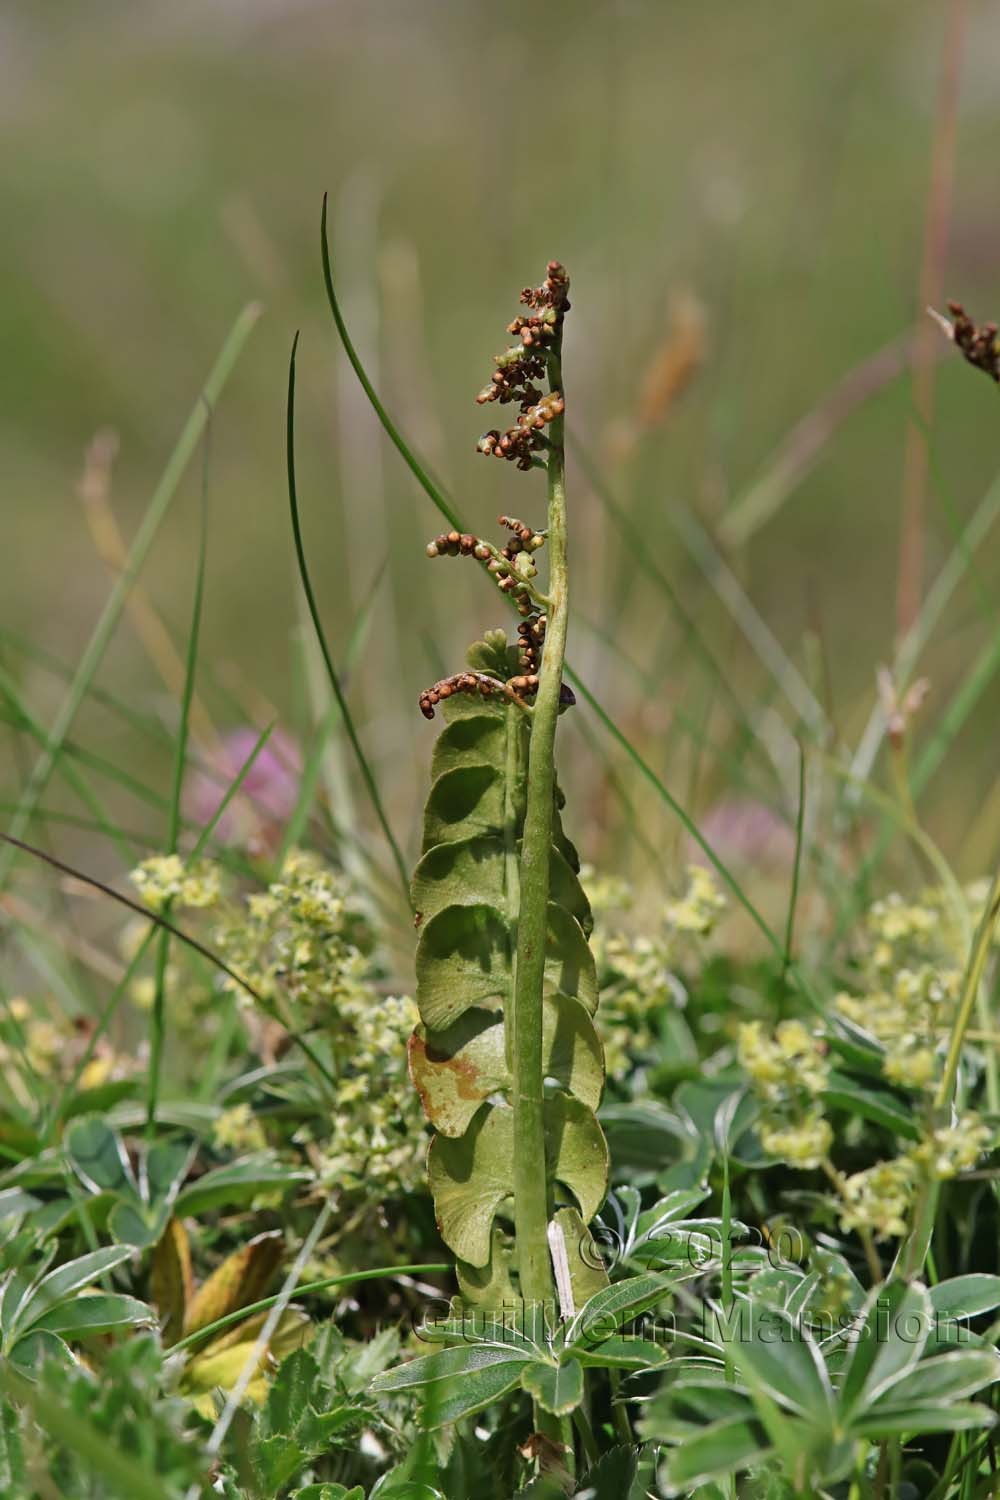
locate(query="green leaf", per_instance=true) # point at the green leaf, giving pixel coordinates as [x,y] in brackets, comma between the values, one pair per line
[944,1378]
[724,1448]
[15,1202]
[472,1176]
[290,1393]
[132,1223]
[557,1388]
[446,1364]
[474,734]
[67,1279]
[893,1328]
[471,871]
[97,1154]
[485,1326]
[164,1168]
[94,1313]
[459,1381]
[607,1312]
[869,1103]
[776,1355]
[490,1285]
[959,1417]
[645,1137]
[235,1184]
[686,1405]
[99,1099]
[328,1492]
[464,802]
[38,1345]
[463,960]
[965,1297]
[669,1210]
[13,1474]
[613,1476]
[466,872]
[622,1354]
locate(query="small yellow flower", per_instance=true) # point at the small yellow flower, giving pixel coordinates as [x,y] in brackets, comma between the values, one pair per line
[802,1144]
[880,1198]
[238,1129]
[700,908]
[911,1067]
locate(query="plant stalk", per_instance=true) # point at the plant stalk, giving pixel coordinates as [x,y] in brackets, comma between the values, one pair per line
[531,1206]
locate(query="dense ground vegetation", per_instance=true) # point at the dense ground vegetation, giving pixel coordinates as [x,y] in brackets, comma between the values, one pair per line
[594,1092]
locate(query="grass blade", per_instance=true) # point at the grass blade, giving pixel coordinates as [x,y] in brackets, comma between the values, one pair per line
[158,507]
[418,469]
[157,1020]
[800,820]
[366,771]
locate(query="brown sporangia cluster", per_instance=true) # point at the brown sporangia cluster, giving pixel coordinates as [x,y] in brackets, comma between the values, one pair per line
[520,366]
[512,566]
[503,562]
[459,544]
[515,689]
[472,683]
[979,345]
[531,634]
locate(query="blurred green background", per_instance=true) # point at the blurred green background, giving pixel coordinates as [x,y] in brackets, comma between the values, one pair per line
[742,182]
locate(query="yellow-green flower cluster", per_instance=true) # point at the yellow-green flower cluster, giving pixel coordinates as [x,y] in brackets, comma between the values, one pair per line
[306,943]
[880,1198]
[950,1149]
[166,880]
[699,909]
[638,974]
[378,1140]
[34,1039]
[788,1072]
[304,939]
[909,974]
[238,1129]
[39,1044]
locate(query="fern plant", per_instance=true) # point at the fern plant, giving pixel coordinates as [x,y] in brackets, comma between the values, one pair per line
[507,1059]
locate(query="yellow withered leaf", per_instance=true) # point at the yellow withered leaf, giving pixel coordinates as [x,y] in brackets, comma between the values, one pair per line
[170,1283]
[220,1366]
[242,1278]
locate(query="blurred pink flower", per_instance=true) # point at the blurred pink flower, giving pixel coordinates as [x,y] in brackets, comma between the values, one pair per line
[745,832]
[266,796]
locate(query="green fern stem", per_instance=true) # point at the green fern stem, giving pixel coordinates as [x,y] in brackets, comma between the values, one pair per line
[531,1205]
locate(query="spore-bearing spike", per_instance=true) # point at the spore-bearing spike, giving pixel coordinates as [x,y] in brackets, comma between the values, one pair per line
[481,683]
